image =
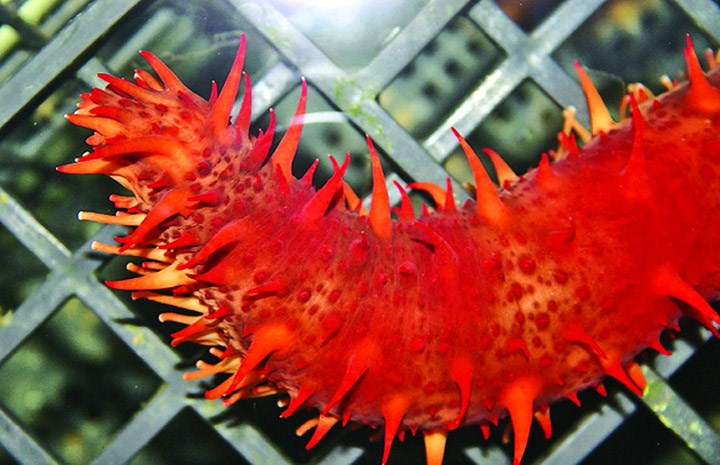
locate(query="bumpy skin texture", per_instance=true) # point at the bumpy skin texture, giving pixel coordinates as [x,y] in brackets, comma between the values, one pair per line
[459,316]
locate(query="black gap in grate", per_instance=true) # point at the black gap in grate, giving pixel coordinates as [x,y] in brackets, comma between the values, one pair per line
[32,149]
[528,15]
[426,90]
[326,131]
[187,440]
[351,33]
[637,40]
[58,384]
[27,274]
[642,439]
[519,129]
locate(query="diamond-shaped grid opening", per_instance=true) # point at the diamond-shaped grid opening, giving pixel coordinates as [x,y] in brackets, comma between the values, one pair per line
[187,440]
[352,32]
[528,15]
[642,438]
[59,381]
[26,26]
[27,274]
[649,35]
[197,40]
[519,129]
[32,148]
[433,84]
[326,130]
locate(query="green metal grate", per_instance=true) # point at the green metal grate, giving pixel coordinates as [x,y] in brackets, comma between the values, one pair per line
[88,377]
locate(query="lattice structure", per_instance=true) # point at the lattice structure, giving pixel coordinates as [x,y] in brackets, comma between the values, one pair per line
[87,376]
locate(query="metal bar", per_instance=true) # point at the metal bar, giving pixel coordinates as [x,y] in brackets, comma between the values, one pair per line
[21,445]
[528,57]
[705,14]
[154,416]
[340,88]
[387,64]
[33,312]
[683,420]
[31,233]
[58,55]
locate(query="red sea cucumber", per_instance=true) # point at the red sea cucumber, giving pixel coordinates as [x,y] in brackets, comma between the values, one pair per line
[459,316]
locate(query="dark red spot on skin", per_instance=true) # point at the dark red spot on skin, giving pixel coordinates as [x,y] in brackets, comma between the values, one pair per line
[453,316]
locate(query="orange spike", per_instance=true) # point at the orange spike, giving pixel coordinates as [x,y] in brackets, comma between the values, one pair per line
[227,235]
[220,113]
[322,426]
[488,203]
[147,80]
[461,372]
[702,92]
[505,174]
[393,410]
[615,369]
[485,429]
[324,197]
[174,202]
[261,146]
[379,216]
[438,194]
[242,122]
[165,279]
[634,171]
[600,389]
[638,377]
[108,127]
[267,340]
[169,79]
[354,203]
[670,284]
[543,418]
[285,151]
[365,354]
[600,119]
[544,175]
[119,218]
[303,394]
[123,86]
[405,212]
[573,332]
[148,253]
[450,206]
[518,397]
[435,446]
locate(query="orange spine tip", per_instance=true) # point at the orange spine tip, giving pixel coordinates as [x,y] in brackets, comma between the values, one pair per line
[504,173]
[600,119]
[488,204]
[435,441]
[285,151]
[220,113]
[393,411]
[379,215]
[703,94]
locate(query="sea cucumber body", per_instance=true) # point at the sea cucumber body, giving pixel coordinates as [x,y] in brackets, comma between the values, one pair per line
[454,317]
